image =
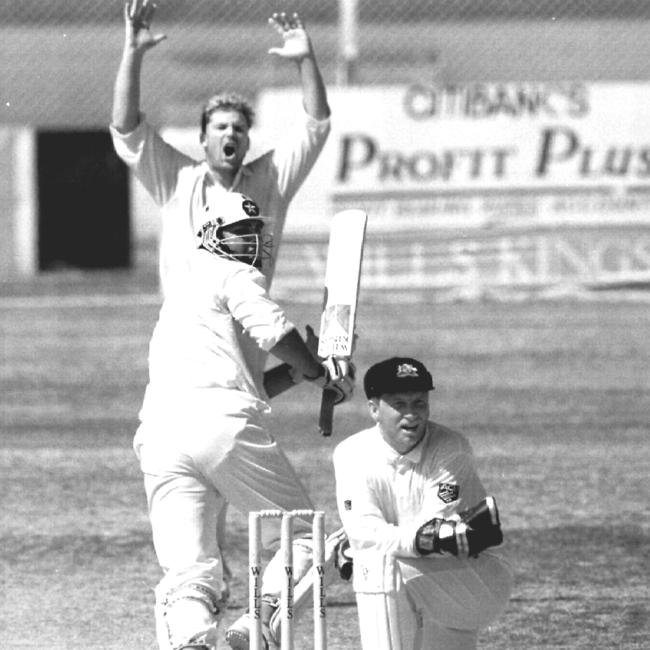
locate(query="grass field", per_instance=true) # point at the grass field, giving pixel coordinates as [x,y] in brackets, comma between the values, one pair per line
[553,396]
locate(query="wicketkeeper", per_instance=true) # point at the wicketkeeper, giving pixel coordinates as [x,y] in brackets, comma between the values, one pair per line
[423,532]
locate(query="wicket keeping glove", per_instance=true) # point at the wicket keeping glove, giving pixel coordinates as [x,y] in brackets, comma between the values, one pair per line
[343,559]
[476,529]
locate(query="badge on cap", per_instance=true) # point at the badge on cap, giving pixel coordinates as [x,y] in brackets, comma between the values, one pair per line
[407,370]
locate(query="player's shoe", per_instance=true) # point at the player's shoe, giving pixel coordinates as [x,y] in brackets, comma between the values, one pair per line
[239,633]
[187,610]
[201,642]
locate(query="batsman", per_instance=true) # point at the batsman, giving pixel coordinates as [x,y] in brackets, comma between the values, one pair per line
[424,535]
[192,195]
[203,436]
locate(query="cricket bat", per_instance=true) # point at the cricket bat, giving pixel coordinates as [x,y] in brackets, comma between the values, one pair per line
[342,277]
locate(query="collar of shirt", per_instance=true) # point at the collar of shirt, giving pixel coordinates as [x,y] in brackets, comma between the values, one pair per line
[401,462]
[209,179]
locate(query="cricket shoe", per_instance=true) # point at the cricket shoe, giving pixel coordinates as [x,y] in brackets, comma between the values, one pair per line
[201,642]
[239,633]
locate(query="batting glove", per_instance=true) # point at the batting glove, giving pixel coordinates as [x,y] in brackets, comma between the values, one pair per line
[475,530]
[339,377]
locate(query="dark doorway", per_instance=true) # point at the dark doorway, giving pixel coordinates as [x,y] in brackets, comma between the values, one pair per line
[83,195]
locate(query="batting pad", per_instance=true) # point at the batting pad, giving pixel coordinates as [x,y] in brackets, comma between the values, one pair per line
[305,578]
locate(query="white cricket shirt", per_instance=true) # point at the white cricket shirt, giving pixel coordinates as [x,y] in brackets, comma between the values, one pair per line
[184,188]
[383,497]
[214,332]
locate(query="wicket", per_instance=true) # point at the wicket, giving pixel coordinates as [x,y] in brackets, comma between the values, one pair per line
[286,599]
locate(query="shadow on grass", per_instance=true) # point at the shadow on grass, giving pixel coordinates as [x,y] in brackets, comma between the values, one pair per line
[84,549]
[579,558]
[576,586]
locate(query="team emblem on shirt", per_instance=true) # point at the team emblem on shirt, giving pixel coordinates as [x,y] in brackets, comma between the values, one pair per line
[406,370]
[448,492]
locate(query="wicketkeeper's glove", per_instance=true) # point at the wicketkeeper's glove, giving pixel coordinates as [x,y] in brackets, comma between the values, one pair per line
[338,375]
[475,530]
[343,559]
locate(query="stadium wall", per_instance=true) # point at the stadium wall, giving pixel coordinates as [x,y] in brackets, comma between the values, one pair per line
[59,77]
[18,198]
[499,189]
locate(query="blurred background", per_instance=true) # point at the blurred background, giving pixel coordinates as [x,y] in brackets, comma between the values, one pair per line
[59,58]
[501,147]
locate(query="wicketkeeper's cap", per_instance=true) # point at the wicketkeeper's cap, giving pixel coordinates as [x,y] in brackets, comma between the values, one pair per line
[397,375]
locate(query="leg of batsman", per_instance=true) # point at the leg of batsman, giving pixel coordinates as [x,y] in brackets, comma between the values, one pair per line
[238,634]
[304,577]
[221,543]
[188,598]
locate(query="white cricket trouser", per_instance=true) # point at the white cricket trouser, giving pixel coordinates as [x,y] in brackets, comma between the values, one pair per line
[218,451]
[432,603]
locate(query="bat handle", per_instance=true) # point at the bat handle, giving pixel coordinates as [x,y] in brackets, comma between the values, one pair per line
[326,412]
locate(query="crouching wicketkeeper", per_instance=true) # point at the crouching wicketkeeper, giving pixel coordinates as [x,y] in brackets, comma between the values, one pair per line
[421,527]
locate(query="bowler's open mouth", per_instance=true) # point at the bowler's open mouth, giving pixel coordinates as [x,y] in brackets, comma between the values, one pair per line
[229,150]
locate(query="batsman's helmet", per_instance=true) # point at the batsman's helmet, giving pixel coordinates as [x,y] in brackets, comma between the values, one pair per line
[235,230]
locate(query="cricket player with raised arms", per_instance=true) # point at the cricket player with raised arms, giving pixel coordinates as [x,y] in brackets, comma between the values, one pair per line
[185,188]
[424,535]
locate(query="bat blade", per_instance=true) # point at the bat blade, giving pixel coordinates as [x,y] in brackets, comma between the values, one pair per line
[342,280]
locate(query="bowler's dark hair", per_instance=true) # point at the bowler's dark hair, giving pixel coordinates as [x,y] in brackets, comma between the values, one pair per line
[229,102]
